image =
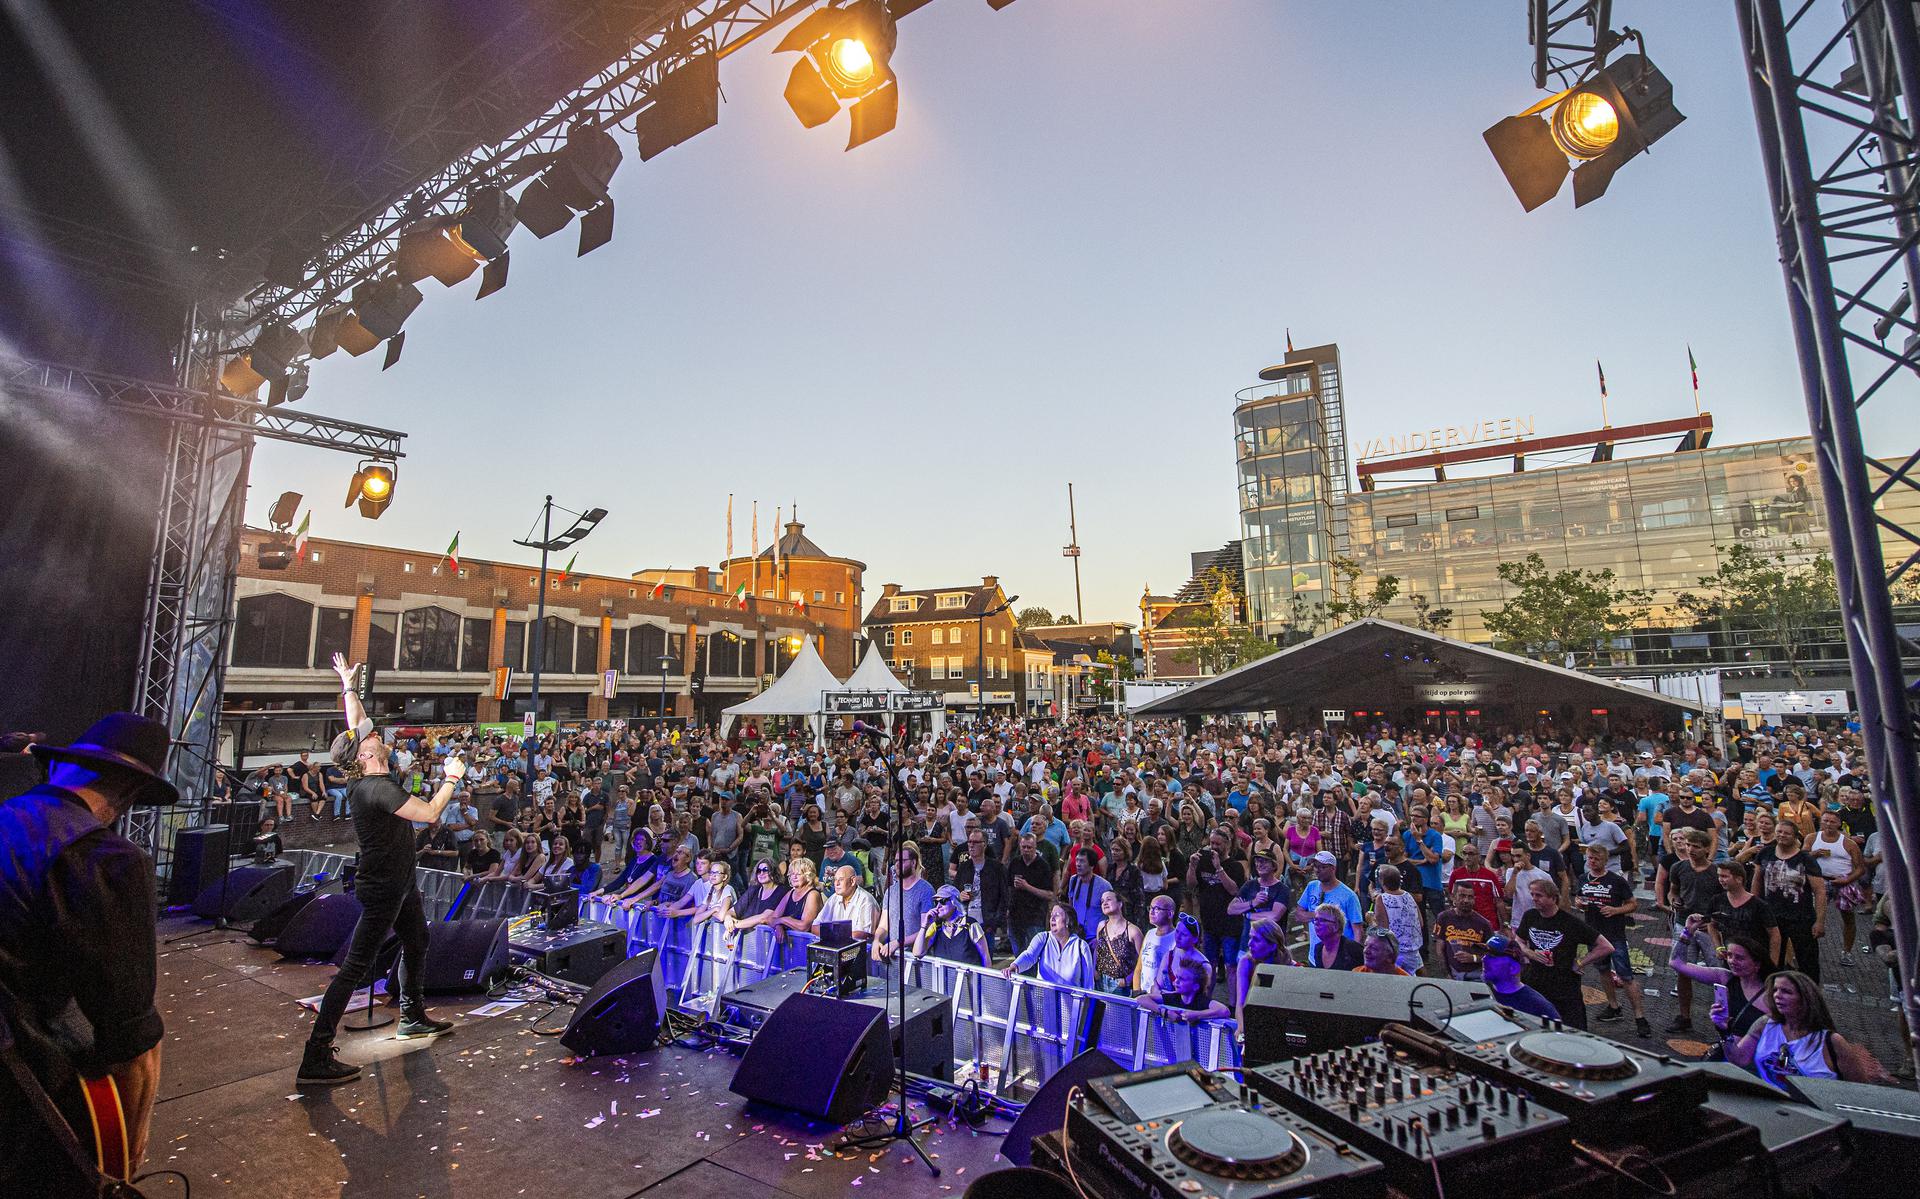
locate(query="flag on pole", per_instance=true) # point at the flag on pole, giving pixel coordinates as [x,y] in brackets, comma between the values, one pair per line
[1289,341]
[777,585]
[453,551]
[1694,369]
[300,537]
[800,603]
[740,596]
[729,524]
[566,572]
[1603,391]
[660,588]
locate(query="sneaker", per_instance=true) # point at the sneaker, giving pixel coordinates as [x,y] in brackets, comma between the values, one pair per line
[1641,1027]
[323,1067]
[422,1025]
[1846,957]
[1609,1013]
[1680,1024]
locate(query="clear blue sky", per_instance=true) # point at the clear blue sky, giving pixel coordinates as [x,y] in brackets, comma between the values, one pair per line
[1093,224]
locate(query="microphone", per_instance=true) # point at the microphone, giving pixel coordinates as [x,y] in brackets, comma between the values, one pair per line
[869,730]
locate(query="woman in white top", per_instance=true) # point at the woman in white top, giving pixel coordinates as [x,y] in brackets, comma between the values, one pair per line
[719,899]
[558,870]
[1396,910]
[1061,952]
[1797,1038]
[1843,864]
[513,854]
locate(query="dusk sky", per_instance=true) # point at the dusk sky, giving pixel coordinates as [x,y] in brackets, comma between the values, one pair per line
[1095,221]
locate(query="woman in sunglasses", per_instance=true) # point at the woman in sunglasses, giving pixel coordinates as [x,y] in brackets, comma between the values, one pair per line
[763,901]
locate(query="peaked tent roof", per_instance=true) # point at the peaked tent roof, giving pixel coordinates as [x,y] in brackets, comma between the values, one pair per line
[1375,664]
[873,674]
[796,692]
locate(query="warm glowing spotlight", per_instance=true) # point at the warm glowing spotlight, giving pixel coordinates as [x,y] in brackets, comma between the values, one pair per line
[845,54]
[1588,131]
[371,488]
[1585,125]
[849,64]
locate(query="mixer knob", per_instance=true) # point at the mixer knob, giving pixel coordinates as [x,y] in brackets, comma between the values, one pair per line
[1487,1128]
[1379,1092]
[1433,1120]
[1472,1111]
[1453,1117]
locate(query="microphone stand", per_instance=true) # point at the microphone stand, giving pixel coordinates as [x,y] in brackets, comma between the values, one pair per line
[903,1123]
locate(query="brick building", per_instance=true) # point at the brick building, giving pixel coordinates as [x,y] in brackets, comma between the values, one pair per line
[932,639]
[818,584]
[435,637]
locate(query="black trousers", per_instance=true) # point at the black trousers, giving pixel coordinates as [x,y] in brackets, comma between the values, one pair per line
[403,915]
[1798,935]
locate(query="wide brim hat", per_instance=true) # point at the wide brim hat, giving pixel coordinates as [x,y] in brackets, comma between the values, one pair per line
[121,741]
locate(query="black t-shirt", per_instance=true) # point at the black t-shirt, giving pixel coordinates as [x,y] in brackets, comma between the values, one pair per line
[1859,822]
[1692,892]
[480,863]
[1752,918]
[1263,898]
[1785,883]
[1609,890]
[1548,859]
[1672,818]
[1563,936]
[1214,900]
[386,841]
[1024,906]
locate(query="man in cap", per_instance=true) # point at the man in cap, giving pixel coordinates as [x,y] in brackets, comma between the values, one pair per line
[77,951]
[949,933]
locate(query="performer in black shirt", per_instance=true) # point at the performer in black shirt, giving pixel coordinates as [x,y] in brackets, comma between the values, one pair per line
[383,816]
[77,960]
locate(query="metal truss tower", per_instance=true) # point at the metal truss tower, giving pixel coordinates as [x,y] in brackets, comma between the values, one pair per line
[1834,83]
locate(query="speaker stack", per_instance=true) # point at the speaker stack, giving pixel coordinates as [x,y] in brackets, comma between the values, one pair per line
[246,893]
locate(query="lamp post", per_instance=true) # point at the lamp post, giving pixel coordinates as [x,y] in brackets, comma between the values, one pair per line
[660,726]
[584,523]
[980,706]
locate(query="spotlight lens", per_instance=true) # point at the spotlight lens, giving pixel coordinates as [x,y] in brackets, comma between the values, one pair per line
[850,59]
[1585,125]
[375,487]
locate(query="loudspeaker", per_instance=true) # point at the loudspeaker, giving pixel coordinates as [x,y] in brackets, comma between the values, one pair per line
[1884,1126]
[271,925]
[198,855]
[621,1014]
[248,893]
[824,1057]
[1021,1182]
[467,955]
[1293,1011]
[1047,1111]
[320,929]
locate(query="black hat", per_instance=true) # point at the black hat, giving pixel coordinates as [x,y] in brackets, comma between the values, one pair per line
[126,742]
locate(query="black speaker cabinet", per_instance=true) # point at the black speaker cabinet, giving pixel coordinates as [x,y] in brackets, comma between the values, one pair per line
[269,927]
[621,1014]
[467,955]
[321,928]
[1047,1111]
[198,855]
[247,893]
[824,1057]
[1292,1011]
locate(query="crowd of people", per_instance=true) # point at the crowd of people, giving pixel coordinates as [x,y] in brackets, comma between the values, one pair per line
[1141,858]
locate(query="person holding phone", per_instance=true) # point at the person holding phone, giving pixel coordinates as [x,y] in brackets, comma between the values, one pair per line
[383,819]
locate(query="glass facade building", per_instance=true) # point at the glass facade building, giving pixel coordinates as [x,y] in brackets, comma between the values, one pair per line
[1290,443]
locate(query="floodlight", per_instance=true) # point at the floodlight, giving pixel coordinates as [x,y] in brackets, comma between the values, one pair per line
[685,102]
[845,56]
[576,182]
[1588,131]
[372,488]
[269,358]
[429,249]
[284,509]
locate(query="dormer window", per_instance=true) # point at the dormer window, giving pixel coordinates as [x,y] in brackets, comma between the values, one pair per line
[903,604]
[954,600]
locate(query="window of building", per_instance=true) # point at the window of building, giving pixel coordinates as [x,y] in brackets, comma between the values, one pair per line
[939,635]
[332,634]
[902,603]
[434,569]
[463,572]
[939,668]
[576,584]
[839,597]
[556,646]
[886,638]
[586,654]
[382,637]
[533,580]
[313,556]
[515,654]
[954,634]
[766,594]
[429,639]
[272,630]
[617,650]
[953,600]
[819,597]
[406,568]
[1403,519]
[632,593]
[724,656]
[1471,512]
[475,634]
[906,636]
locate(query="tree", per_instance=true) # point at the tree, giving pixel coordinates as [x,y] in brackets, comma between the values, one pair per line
[1028,617]
[1301,620]
[1789,602]
[1426,616]
[1560,613]
[1108,671]
[1216,640]
[1349,602]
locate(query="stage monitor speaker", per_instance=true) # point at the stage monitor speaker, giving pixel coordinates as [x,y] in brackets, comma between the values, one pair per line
[247,893]
[824,1057]
[198,856]
[321,928]
[1293,1011]
[1047,1111]
[1022,1182]
[621,1014]
[1884,1124]
[270,926]
[467,955]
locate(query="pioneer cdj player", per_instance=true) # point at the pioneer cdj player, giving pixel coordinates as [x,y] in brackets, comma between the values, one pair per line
[1179,1132]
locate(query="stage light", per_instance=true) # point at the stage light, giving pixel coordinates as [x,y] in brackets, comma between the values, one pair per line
[372,488]
[284,509]
[844,57]
[268,359]
[1589,131]
[380,307]
[429,249]
[685,102]
[576,182]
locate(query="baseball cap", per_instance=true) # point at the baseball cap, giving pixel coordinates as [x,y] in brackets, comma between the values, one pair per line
[947,891]
[1323,858]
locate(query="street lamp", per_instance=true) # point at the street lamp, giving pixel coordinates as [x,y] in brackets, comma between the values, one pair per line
[584,523]
[980,706]
[661,726]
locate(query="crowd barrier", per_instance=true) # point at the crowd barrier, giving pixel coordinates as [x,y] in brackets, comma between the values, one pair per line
[1023,1028]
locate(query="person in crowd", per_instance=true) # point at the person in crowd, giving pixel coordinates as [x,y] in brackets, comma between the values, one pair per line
[1606,901]
[1326,888]
[639,878]
[904,905]
[1156,941]
[851,903]
[1399,913]
[559,870]
[950,934]
[804,900]
[716,906]
[1380,953]
[1503,966]
[1125,877]
[266,841]
[1739,983]
[1332,947]
[1266,946]
[1796,1038]
[1190,1000]
[1843,864]
[676,882]
[482,860]
[1796,892]
[1550,939]
[1083,888]
[1686,884]
[1060,952]
[762,902]
[1188,945]
[1214,878]
[1486,885]
[1030,877]
[1116,947]
[694,898]
[1462,933]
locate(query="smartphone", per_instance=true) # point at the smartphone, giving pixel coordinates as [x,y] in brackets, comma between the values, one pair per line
[1720,996]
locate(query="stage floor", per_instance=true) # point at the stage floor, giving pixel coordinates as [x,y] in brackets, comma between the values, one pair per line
[492,1109]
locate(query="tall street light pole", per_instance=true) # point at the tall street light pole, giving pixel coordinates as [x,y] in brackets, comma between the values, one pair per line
[583,524]
[980,706]
[660,728]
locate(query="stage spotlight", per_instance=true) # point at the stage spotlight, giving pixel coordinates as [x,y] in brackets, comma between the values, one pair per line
[1588,132]
[372,487]
[324,338]
[284,509]
[269,358]
[430,249]
[482,231]
[844,57]
[686,102]
[576,182]
[380,307]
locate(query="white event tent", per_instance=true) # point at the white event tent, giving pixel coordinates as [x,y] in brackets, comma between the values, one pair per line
[797,692]
[873,674]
